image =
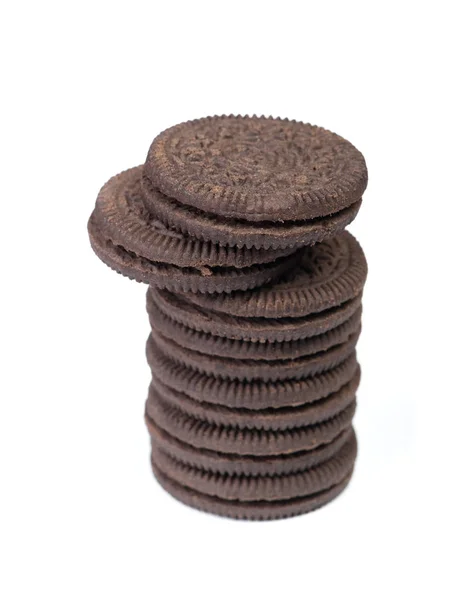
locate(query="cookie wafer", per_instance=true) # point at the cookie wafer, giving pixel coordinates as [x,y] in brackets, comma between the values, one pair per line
[253,511]
[239,233]
[254,394]
[234,464]
[226,347]
[257,168]
[261,487]
[324,276]
[186,279]
[125,220]
[220,324]
[220,438]
[267,419]
[247,370]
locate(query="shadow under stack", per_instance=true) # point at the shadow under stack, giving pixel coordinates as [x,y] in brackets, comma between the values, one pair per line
[237,225]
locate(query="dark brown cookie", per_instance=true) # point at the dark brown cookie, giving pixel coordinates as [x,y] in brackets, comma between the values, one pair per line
[257,168]
[234,464]
[253,511]
[182,279]
[248,370]
[124,219]
[226,347]
[254,394]
[267,419]
[220,324]
[236,232]
[233,440]
[325,275]
[260,488]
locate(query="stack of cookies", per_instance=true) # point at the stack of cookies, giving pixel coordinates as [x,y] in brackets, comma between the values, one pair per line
[237,224]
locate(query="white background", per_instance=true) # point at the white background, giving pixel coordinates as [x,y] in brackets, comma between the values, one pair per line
[86,87]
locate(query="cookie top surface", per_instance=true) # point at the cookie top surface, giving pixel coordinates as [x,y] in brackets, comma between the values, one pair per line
[257,168]
[324,276]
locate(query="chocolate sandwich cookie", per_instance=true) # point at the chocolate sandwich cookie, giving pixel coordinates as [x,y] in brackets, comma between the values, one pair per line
[226,347]
[247,370]
[258,329]
[131,241]
[324,276]
[239,233]
[268,419]
[124,219]
[177,279]
[257,168]
[261,487]
[255,394]
[229,439]
[234,464]
[253,511]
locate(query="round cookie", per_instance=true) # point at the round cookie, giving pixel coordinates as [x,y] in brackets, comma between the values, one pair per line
[257,168]
[128,239]
[123,218]
[261,487]
[324,276]
[255,394]
[267,419]
[236,232]
[247,370]
[253,511]
[221,324]
[233,464]
[181,279]
[233,440]
[226,347]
